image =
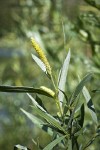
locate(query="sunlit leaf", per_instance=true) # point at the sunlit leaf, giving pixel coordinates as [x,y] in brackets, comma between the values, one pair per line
[63,77]
[39,63]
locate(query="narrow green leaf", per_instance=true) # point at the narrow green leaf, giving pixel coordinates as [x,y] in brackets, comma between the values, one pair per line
[90,104]
[38,122]
[39,63]
[63,77]
[49,119]
[24,89]
[54,143]
[80,87]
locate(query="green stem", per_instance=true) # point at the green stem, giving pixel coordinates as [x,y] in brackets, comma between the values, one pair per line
[56,97]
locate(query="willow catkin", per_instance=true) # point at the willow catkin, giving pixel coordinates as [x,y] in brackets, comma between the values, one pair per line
[41,55]
[47,90]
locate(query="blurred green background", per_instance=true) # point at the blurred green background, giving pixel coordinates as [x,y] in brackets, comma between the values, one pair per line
[57,25]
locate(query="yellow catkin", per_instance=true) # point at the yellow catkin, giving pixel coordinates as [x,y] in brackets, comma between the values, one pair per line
[47,90]
[41,55]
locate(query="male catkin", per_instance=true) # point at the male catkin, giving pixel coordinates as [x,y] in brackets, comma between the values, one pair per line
[41,55]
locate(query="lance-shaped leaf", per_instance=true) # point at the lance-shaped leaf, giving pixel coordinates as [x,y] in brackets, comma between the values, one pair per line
[25,89]
[54,143]
[43,113]
[62,78]
[38,122]
[90,104]
[80,87]
[37,106]
[35,103]
[49,119]
[39,63]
